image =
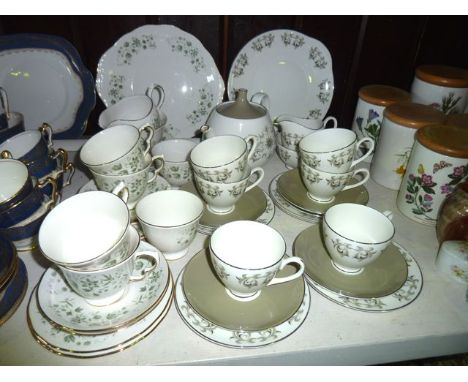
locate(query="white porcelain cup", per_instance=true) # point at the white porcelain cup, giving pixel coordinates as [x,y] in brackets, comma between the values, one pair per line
[356,235]
[176,152]
[333,150]
[224,158]
[86,231]
[221,198]
[169,220]
[118,150]
[247,255]
[288,156]
[106,286]
[323,186]
[136,182]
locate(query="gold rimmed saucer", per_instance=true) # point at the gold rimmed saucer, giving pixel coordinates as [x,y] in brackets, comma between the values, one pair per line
[381,278]
[291,187]
[207,295]
[249,207]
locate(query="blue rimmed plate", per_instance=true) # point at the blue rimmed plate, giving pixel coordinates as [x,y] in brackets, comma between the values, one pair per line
[46,81]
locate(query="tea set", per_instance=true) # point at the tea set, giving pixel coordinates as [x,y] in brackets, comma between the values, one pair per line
[154,186]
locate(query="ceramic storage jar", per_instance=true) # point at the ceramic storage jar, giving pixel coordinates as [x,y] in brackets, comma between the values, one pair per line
[457,120]
[443,87]
[438,162]
[400,122]
[452,221]
[372,101]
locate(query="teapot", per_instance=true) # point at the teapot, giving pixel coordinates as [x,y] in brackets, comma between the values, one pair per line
[244,118]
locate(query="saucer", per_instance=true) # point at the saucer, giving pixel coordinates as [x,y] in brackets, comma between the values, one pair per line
[382,277]
[72,313]
[207,295]
[289,208]
[290,186]
[64,343]
[253,205]
[240,337]
[13,292]
[8,261]
[403,296]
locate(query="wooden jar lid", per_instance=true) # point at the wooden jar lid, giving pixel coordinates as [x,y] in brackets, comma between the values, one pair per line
[383,95]
[443,75]
[413,115]
[457,120]
[445,139]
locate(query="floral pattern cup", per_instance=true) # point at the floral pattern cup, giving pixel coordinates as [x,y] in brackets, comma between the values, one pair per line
[118,150]
[333,150]
[323,186]
[356,235]
[221,198]
[247,255]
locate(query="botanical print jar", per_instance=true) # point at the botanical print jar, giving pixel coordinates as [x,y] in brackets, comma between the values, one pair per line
[400,122]
[443,87]
[438,162]
[452,221]
[372,101]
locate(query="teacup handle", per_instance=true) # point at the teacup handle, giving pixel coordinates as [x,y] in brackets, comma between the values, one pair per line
[63,154]
[155,262]
[254,141]
[262,99]
[370,149]
[330,118]
[147,140]
[261,174]
[157,169]
[49,180]
[46,132]
[121,190]
[161,94]
[289,260]
[366,178]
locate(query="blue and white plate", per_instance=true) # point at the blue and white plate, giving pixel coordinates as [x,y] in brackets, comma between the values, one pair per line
[46,81]
[13,293]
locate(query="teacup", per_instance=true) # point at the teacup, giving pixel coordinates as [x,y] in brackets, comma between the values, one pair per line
[223,158]
[137,110]
[293,131]
[15,183]
[106,286]
[30,145]
[332,150]
[356,235]
[247,255]
[323,186]
[169,220]
[288,156]
[96,231]
[221,198]
[118,150]
[176,154]
[136,182]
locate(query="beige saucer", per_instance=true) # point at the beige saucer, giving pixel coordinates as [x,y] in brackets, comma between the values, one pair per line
[381,278]
[249,207]
[207,296]
[290,186]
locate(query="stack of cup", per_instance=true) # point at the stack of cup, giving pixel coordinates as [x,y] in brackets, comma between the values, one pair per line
[120,155]
[35,149]
[327,165]
[221,171]
[96,250]
[23,205]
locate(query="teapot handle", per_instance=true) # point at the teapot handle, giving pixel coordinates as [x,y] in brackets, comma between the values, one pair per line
[262,99]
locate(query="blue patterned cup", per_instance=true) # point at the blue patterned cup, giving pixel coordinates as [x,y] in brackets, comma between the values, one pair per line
[15,183]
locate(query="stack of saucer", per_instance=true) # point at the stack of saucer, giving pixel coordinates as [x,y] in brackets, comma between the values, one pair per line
[13,280]
[107,289]
[23,205]
[119,155]
[222,179]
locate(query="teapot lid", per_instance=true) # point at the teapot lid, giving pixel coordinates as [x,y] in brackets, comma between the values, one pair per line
[241,108]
